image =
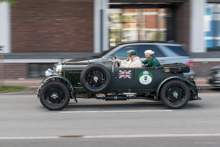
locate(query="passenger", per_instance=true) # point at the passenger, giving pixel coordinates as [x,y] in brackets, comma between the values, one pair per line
[151,60]
[126,63]
[135,60]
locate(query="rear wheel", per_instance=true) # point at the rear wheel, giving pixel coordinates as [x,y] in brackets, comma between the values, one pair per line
[54,96]
[175,94]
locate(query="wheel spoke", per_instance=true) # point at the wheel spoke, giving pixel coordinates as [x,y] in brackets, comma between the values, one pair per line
[100,82]
[89,79]
[95,72]
[91,73]
[99,74]
[96,85]
[92,83]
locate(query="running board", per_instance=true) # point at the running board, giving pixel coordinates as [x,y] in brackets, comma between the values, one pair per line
[123,98]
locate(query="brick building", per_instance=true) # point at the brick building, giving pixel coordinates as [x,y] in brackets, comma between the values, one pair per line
[35,34]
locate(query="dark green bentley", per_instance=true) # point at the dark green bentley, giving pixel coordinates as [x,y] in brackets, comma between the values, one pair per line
[105,80]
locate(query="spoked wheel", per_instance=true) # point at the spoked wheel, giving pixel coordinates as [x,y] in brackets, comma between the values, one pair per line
[175,94]
[95,78]
[54,96]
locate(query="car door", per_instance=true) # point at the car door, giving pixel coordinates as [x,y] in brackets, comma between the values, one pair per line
[157,53]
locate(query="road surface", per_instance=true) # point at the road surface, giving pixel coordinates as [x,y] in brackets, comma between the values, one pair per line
[25,122]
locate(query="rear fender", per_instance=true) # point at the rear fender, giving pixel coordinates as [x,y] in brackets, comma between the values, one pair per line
[173,78]
[59,78]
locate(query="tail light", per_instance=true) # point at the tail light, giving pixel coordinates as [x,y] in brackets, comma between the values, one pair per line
[190,63]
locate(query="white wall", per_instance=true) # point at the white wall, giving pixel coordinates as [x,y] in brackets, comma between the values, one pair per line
[197,34]
[98,6]
[5,25]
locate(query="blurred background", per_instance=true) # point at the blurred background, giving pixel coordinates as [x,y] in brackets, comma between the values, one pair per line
[35,34]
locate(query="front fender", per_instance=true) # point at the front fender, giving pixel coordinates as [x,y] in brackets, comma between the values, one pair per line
[53,78]
[172,78]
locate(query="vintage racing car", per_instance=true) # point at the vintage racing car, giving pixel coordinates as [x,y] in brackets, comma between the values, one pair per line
[106,80]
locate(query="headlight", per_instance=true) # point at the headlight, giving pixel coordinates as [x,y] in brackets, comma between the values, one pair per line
[59,62]
[59,69]
[49,72]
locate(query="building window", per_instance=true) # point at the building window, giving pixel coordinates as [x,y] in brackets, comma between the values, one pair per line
[137,24]
[38,70]
[212,26]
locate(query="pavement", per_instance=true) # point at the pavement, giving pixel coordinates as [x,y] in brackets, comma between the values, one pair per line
[35,82]
[29,82]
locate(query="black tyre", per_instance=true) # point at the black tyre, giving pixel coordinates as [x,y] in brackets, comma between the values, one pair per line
[95,78]
[175,94]
[54,96]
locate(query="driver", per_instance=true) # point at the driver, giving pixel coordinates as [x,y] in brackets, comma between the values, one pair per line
[151,60]
[126,63]
[135,60]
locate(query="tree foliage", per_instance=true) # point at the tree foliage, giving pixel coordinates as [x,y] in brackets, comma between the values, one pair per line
[12,2]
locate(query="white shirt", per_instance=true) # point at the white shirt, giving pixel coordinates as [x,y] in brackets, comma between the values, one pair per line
[135,62]
[125,63]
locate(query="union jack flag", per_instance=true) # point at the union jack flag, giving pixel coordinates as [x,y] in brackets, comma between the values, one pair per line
[124,74]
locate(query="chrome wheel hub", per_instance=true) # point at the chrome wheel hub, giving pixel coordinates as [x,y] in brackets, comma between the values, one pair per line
[96,79]
[175,94]
[54,96]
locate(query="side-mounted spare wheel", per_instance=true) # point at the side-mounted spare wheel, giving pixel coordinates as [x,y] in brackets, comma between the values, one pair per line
[54,95]
[175,94]
[95,78]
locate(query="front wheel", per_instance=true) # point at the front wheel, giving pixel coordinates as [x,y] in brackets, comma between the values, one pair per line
[175,94]
[54,96]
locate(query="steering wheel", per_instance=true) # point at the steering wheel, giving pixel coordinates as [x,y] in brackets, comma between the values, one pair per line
[114,58]
[118,64]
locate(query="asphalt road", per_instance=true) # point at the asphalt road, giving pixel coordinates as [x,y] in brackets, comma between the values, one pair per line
[25,122]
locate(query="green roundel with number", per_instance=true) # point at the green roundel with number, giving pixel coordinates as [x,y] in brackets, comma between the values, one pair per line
[145,77]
